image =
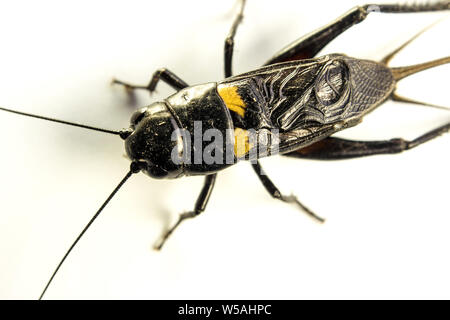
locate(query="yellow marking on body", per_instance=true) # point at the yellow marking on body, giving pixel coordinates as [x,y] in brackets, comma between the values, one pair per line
[232,99]
[241,142]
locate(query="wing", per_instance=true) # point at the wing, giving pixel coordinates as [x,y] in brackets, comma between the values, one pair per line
[306,100]
[300,94]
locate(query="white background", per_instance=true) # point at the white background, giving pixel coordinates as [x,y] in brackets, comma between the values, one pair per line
[386,234]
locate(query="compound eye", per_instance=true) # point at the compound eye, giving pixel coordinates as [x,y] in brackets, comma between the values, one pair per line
[331,83]
[156,172]
[137,116]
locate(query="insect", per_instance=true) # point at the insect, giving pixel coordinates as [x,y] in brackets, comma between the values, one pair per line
[335,67]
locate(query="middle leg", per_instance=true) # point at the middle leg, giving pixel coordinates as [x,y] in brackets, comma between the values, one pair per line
[275,193]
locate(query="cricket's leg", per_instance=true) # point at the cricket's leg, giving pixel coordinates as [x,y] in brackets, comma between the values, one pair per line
[163,74]
[275,193]
[268,184]
[229,41]
[200,206]
[336,148]
[309,45]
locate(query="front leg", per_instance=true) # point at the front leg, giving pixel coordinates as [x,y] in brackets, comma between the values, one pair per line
[274,192]
[163,74]
[200,206]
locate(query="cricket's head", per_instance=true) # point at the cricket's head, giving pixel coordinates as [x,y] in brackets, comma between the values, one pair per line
[151,140]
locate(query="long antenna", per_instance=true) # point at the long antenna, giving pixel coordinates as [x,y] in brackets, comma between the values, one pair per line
[133,169]
[63,121]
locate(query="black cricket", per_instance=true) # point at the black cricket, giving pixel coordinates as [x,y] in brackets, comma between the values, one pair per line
[306,99]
